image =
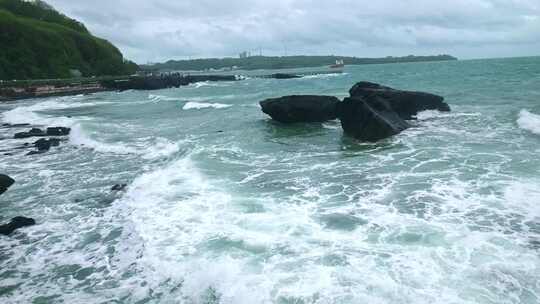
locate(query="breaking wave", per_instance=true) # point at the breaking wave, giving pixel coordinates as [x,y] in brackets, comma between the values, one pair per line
[203,105]
[529,121]
[159,147]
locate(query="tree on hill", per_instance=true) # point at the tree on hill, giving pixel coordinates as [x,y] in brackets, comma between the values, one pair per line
[39,42]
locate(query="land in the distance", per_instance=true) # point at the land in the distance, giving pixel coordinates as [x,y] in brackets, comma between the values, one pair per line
[279,62]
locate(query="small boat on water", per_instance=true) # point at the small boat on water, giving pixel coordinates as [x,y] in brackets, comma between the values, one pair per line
[339,64]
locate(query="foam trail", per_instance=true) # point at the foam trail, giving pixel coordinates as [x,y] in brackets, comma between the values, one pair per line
[529,121]
[203,105]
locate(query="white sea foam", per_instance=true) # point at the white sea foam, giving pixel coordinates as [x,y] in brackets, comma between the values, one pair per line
[430,114]
[323,76]
[203,105]
[157,148]
[529,121]
[525,196]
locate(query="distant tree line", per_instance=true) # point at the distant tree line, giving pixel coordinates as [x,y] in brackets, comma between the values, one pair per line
[286,62]
[38,42]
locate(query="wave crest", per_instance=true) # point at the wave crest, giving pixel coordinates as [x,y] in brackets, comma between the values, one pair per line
[529,121]
[203,105]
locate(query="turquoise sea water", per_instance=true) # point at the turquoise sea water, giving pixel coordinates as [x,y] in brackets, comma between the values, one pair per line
[226,206]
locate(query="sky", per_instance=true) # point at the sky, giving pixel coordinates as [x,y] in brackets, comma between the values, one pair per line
[160,30]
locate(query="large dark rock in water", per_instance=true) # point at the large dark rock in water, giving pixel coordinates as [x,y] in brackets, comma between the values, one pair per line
[405,103]
[369,120]
[5,183]
[16,223]
[301,108]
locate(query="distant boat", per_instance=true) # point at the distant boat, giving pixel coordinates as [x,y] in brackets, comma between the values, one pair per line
[339,64]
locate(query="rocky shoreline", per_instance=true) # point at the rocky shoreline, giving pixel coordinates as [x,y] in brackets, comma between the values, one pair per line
[77,87]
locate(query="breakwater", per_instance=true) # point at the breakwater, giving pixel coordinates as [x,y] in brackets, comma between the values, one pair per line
[15,90]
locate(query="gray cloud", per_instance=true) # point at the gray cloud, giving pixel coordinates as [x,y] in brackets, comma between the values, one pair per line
[157,30]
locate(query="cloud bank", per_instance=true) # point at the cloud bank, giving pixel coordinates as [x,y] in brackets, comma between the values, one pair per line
[158,30]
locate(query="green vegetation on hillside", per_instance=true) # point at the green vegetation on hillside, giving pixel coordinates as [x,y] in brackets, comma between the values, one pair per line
[38,42]
[288,62]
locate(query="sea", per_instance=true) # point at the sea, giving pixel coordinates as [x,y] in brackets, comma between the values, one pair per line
[224,205]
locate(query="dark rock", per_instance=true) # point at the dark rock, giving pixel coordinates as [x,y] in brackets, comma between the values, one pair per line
[55,142]
[174,80]
[405,103]
[7,125]
[5,183]
[301,108]
[16,223]
[284,76]
[119,187]
[32,133]
[58,131]
[36,152]
[369,121]
[42,144]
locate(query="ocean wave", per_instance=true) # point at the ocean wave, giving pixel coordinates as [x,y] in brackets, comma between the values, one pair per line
[322,76]
[203,105]
[529,121]
[30,114]
[78,137]
[207,84]
[157,148]
[430,114]
[158,98]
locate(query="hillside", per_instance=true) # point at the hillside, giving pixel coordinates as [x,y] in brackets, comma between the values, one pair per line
[39,42]
[287,62]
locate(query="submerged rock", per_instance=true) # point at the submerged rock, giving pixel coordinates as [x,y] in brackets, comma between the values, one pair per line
[370,120]
[119,187]
[42,144]
[301,108]
[5,183]
[16,223]
[405,103]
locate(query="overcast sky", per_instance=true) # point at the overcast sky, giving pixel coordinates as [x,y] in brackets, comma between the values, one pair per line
[158,30]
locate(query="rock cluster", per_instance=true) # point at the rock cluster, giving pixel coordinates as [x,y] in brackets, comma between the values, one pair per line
[42,145]
[371,113]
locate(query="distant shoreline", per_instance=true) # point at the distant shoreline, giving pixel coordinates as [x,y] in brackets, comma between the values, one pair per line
[277,62]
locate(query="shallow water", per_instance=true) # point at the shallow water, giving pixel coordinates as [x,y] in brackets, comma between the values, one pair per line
[226,206]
